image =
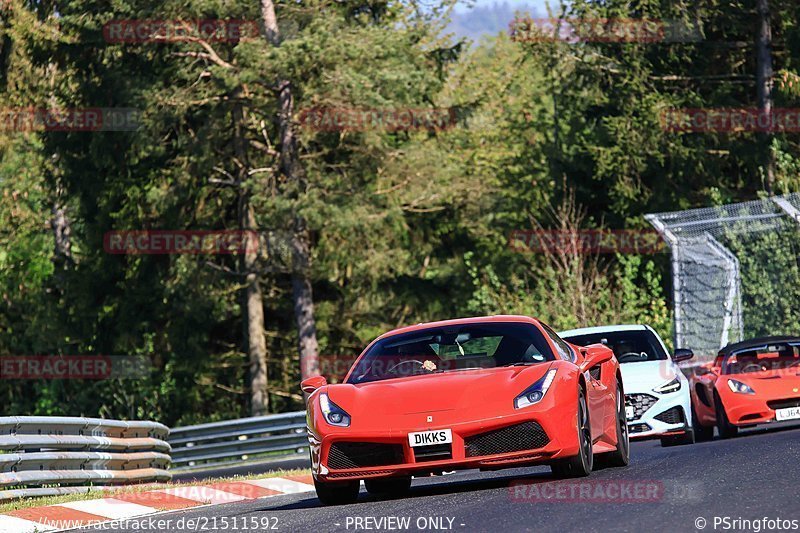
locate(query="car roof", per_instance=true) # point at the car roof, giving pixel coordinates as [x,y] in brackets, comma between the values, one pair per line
[460,321]
[754,343]
[601,329]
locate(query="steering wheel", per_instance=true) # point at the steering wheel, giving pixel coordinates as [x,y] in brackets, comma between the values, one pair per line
[631,355]
[406,362]
[752,367]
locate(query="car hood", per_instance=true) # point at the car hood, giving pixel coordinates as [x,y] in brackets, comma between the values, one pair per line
[449,396]
[646,376]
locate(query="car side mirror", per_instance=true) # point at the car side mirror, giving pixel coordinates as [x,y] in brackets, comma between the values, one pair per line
[313,383]
[595,354]
[682,354]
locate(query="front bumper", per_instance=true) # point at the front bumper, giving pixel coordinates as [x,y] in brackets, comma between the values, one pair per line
[746,410]
[661,414]
[474,446]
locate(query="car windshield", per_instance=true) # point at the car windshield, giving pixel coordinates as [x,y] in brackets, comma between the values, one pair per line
[763,359]
[452,348]
[635,346]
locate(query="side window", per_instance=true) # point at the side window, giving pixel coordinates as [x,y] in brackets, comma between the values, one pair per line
[563,349]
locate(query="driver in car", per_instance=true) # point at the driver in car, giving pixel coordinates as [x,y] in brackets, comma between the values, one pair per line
[627,348]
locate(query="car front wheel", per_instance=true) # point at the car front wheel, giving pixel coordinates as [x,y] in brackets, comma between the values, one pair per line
[701,433]
[621,456]
[581,464]
[725,429]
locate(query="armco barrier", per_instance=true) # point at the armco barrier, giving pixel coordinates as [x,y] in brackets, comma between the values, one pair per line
[223,443]
[39,452]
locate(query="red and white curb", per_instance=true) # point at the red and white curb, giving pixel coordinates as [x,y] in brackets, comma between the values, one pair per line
[127,505]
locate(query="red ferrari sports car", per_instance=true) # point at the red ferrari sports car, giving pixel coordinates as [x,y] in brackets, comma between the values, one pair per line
[749,383]
[490,392]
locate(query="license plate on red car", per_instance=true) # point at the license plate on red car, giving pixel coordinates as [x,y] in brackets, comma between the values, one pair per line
[429,438]
[790,413]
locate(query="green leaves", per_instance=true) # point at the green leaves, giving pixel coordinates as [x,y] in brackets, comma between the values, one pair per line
[406,225]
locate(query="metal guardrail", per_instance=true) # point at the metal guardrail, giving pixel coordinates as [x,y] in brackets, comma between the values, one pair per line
[223,443]
[37,452]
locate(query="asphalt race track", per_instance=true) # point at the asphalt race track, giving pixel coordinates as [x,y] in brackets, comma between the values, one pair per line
[754,476]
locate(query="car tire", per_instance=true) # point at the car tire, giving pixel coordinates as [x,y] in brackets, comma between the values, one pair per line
[391,487]
[622,455]
[701,433]
[581,464]
[337,493]
[725,429]
[678,440]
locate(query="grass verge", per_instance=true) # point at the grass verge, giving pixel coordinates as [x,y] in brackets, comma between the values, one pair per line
[93,493]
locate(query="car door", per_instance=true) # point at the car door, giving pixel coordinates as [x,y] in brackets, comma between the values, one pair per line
[602,395]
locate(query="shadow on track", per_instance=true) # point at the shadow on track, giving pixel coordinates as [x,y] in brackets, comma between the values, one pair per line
[434,489]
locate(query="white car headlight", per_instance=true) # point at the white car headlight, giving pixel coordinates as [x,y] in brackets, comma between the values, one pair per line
[535,392]
[739,387]
[668,387]
[334,415]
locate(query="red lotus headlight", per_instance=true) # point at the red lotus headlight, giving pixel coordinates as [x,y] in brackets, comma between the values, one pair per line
[739,387]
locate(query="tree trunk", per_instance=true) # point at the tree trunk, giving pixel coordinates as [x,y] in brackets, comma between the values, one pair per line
[253,302]
[304,303]
[59,223]
[301,253]
[765,83]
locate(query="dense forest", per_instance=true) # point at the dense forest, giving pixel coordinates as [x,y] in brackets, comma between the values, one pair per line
[361,227]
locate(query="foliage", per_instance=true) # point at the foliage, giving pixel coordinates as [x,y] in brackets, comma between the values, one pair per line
[406,226]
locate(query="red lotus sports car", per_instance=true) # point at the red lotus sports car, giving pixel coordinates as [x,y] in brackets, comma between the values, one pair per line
[749,383]
[489,393]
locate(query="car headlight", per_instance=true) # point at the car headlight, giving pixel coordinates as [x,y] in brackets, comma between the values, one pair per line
[334,415]
[669,386]
[741,388]
[535,392]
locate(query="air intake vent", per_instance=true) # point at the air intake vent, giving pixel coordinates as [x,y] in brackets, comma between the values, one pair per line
[436,452]
[671,416]
[343,455]
[641,403]
[638,428]
[783,404]
[525,436]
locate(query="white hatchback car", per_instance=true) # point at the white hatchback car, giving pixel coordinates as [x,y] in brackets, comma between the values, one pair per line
[657,398]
